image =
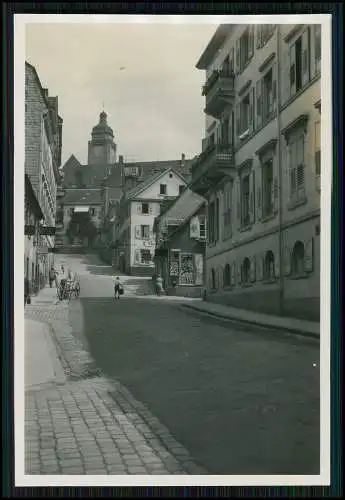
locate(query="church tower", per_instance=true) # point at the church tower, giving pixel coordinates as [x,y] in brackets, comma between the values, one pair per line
[102,148]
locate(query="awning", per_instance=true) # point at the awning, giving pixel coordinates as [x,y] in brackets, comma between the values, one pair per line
[81,209]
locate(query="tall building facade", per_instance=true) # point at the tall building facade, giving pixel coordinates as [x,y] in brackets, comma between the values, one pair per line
[260,167]
[43,142]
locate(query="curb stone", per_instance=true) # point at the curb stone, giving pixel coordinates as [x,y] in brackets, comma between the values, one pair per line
[293,331]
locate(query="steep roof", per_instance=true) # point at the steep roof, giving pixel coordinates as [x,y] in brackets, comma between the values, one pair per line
[217,40]
[182,208]
[82,197]
[149,181]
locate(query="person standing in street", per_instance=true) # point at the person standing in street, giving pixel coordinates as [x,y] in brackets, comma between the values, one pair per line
[117,287]
[52,277]
[26,290]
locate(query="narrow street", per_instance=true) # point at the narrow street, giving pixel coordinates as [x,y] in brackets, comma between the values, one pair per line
[241,401]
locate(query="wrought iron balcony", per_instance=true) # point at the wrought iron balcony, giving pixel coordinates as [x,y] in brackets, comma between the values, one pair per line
[213,164]
[219,91]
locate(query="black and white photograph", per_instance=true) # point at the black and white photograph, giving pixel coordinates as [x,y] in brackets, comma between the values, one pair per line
[176,257]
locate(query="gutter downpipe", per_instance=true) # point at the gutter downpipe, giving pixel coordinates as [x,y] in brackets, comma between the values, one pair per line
[280,180]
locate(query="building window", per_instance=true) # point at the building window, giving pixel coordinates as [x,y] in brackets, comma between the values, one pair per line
[92,212]
[298,259]
[227,276]
[244,114]
[317,44]
[211,222]
[267,94]
[145,209]
[269,271]
[245,188]
[317,149]
[213,279]
[202,227]
[145,232]
[268,188]
[227,209]
[297,181]
[245,48]
[246,271]
[181,189]
[299,62]
[145,256]
[163,189]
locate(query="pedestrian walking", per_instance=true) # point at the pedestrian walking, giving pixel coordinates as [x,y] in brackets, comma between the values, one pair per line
[118,287]
[52,277]
[26,291]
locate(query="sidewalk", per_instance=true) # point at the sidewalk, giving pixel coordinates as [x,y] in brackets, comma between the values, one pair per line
[82,423]
[42,366]
[290,325]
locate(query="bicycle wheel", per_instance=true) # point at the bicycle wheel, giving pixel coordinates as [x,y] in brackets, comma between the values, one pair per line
[77,290]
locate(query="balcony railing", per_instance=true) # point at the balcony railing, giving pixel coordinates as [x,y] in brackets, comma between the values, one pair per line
[213,163]
[219,91]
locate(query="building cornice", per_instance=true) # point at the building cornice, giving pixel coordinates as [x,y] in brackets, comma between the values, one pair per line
[300,122]
[266,62]
[222,33]
[268,146]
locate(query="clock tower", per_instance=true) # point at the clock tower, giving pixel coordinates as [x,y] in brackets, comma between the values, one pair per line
[102,148]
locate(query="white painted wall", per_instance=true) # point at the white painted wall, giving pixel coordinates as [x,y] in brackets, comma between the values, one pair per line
[172,181]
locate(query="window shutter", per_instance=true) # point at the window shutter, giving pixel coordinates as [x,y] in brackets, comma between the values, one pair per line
[150,233]
[276,265]
[138,232]
[150,209]
[309,256]
[238,202]
[139,208]
[217,222]
[231,59]
[274,86]
[275,194]
[251,40]
[222,281]
[233,274]
[252,269]
[239,274]
[258,103]
[287,262]
[305,57]
[238,120]
[261,264]
[194,228]
[292,70]
[238,57]
[251,197]
[259,193]
[251,110]
[137,256]
[258,36]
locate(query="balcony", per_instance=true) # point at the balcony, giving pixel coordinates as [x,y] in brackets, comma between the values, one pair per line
[219,91]
[215,163]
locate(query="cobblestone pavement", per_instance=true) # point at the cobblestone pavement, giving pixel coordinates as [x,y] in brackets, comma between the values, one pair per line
[92,425]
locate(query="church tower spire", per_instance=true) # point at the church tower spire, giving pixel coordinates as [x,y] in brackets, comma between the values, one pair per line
[102,148]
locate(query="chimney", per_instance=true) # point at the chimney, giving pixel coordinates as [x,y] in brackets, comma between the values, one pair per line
[183,159]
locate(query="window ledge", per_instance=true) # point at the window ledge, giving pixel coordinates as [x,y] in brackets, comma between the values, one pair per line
[270,281]
[255,131]
[246,228]
[295,204]
[300,92]
[302,276]
[211,244]
[266,218]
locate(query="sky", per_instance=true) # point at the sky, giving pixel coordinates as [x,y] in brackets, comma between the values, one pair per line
[143,73]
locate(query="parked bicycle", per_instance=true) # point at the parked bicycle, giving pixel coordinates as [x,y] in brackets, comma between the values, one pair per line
[69,289]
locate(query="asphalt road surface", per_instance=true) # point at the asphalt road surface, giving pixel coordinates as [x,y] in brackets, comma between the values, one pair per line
[242,400]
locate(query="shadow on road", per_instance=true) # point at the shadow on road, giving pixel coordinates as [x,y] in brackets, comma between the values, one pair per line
[103,270]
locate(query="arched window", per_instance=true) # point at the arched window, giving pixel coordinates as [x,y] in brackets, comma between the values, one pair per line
[246,270]
[298,259]
[269,266]
[227,276]
[213,279]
